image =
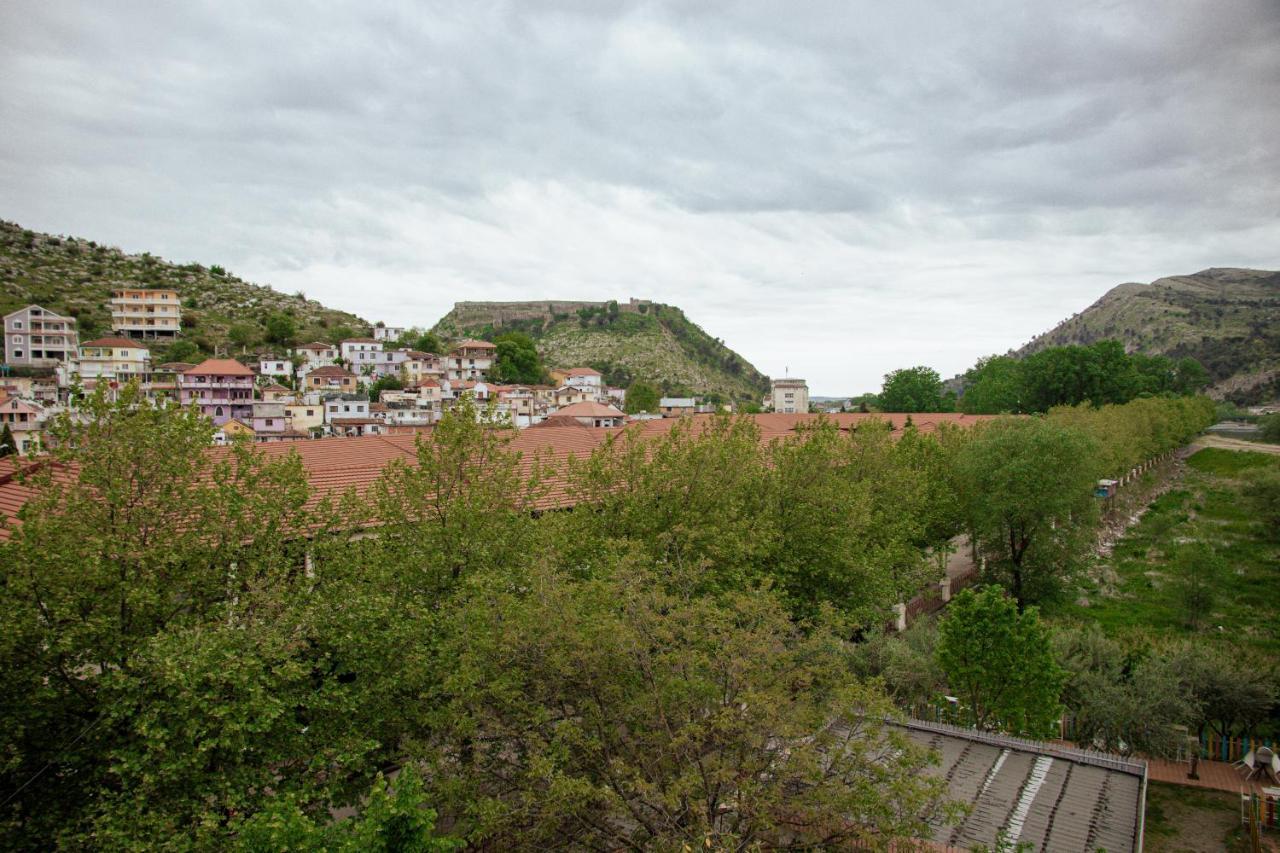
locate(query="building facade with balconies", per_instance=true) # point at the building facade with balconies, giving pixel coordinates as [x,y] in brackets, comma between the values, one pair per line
[37,337]
[221,387]
[145,313]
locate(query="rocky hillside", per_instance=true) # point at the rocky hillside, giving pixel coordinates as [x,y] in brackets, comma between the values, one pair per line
[625,341]
[75,276]
[1227,319]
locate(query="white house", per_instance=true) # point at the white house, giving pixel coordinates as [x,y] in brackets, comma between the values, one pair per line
[388,333]
[274,367]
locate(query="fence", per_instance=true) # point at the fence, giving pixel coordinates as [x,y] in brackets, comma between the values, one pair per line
[1213,747]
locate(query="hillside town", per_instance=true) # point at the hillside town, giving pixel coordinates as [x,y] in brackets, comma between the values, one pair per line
[354,387]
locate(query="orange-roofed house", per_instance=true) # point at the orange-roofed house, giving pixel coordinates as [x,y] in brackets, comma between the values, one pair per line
[471,360]
[331,379]
[589,414]
[221,387]
[25,420]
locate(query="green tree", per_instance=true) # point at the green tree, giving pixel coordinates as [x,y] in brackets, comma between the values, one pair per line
[429,342]
[610,713]
[1198,569]
[181,350]
[281,329]
[516,359]
[1269,428]
[1027,491]
[642,396]
[1122,700]
[1190,377]
[389,821]
[242,334]
[8,445]
[148,532]
[993,387]
[385,383]
[999,661]
[1262,491]
[914,389]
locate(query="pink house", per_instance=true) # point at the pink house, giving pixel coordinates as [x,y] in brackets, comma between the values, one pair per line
[221,387]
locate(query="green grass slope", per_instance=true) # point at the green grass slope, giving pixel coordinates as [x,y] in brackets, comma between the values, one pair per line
[75,276]
[1227,319]
[646,341]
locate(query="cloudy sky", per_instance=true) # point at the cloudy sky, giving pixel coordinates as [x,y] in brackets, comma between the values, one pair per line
[833,188]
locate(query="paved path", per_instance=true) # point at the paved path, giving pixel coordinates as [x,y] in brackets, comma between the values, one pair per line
[1217,775]
[1225,443]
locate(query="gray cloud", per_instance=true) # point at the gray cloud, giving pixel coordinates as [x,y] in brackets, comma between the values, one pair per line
[836,188]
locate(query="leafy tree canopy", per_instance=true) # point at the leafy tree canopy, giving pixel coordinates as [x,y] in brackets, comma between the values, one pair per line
[1000,662]
[914,389]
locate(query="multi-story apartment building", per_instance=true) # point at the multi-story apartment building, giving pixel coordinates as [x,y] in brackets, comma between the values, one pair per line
[111,359]
[790,396]
[37,337]
[359,352]
[388,333]
[471,360]
[146,313]
[221,387]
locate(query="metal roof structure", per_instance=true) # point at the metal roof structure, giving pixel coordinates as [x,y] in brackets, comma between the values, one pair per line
[1045,795]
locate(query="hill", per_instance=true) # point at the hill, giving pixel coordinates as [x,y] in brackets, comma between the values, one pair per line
[637,339]
[75,276]
[1227,319]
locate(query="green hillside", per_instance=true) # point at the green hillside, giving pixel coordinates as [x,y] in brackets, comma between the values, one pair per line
[1227,319]
[75,276]
[624,341]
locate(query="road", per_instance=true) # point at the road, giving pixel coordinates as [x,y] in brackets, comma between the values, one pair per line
[1221,441]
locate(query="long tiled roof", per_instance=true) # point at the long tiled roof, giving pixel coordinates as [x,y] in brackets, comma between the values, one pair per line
[333,465]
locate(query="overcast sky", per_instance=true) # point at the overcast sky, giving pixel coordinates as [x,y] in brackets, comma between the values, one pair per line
[833,188]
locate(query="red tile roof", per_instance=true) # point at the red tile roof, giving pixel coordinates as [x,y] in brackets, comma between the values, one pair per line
[589,409]
[331,370]
[473,344]
[334,465]
[582,371]
[219,367]
[316,345]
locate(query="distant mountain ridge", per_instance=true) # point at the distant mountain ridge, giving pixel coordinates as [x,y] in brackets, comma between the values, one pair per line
[75,276]
[1228,319]
[636,339]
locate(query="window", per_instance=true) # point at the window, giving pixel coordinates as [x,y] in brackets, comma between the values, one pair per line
[17,353]
[217,413]
[311,413]
[270,421]
[17,324]
[17,339]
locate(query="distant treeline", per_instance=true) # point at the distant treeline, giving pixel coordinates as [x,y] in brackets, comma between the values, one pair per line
[1101,373]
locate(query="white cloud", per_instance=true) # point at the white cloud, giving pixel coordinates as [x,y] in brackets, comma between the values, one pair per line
[842,189]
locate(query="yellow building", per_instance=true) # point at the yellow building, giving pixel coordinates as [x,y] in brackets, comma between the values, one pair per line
[146,313]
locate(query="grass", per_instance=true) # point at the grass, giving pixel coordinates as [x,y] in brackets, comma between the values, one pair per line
[1229,463]
[1137,591]
[1192,819]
